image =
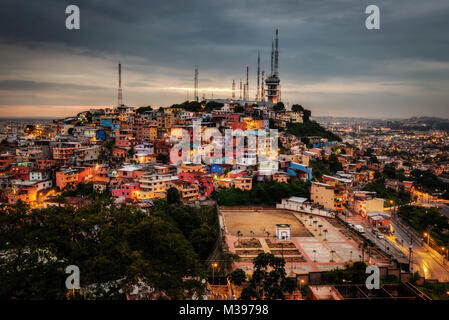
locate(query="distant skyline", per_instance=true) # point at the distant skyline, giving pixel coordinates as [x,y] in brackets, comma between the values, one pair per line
[328,62]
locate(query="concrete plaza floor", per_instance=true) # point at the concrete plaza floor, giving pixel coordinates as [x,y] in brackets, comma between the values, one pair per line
[322,245]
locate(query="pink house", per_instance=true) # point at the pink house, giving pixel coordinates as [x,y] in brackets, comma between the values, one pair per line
[127,190]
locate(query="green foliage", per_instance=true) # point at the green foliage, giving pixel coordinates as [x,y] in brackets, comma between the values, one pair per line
[311,128]
[227,260]
[163,158]
[81,190]
[389,171]
[297,108]
[436,291]
[269,279]
[430,182]
[279,106]
[192,106]
[199,226]
[401,197]
[427,220]
[268,193]
[239,109]
[143,109]
[354,273]
[323,166]
[237,277]
[306,115]
[212,105]
[390,279]
[113,246]
[173,196]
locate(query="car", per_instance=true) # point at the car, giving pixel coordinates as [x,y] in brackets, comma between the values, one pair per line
[380,236]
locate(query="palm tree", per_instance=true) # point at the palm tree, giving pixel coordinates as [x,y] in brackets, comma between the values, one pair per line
[320,226]
[252,233]
[350,255]
[332,255]
[60,199]
[239,234]
[315,223]
[325,233]
[314,255]
[310,220]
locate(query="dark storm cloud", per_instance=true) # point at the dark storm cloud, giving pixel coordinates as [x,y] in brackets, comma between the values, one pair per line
[33,85]
[319,40]
[323,34]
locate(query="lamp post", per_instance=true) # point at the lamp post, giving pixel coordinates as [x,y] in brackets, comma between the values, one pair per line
[410,267]
[214,266]
[444,252]
[428,238]
[393,204]
[282,246]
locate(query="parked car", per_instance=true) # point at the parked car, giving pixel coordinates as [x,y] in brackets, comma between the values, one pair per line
[380,236]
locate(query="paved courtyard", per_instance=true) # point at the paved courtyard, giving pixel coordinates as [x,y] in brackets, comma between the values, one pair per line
[257,222]
[317,243]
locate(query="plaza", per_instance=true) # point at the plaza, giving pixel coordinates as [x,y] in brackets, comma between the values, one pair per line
[317,243]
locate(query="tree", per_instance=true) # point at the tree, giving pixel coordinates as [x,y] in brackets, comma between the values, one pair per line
[354,273]
[143,109]
[269,279]
[297,108]
[239,234]
[279,106]
[213,105]
[239,109]
[332,255]
[173,196]
[237,277]
[306,115]
[162,157]
[114,247]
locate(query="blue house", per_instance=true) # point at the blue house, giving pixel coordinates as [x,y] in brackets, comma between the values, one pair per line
[217,168]
[100,135]
[296,168]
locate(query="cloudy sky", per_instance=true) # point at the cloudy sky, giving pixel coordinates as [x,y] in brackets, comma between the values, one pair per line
[329,61]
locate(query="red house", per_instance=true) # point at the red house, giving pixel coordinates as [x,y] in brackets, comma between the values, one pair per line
[203,180]
[20,172]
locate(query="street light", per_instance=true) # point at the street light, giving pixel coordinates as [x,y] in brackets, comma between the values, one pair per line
[443,249]
[428,237]
[301,282]
[214,266]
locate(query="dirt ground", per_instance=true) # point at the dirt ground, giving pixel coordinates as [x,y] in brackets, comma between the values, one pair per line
[259,222]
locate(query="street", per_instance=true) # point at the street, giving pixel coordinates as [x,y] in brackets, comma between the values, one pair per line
[428,263]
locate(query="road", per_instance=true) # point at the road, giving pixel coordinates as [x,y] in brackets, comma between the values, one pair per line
[385,244]
[428,263]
